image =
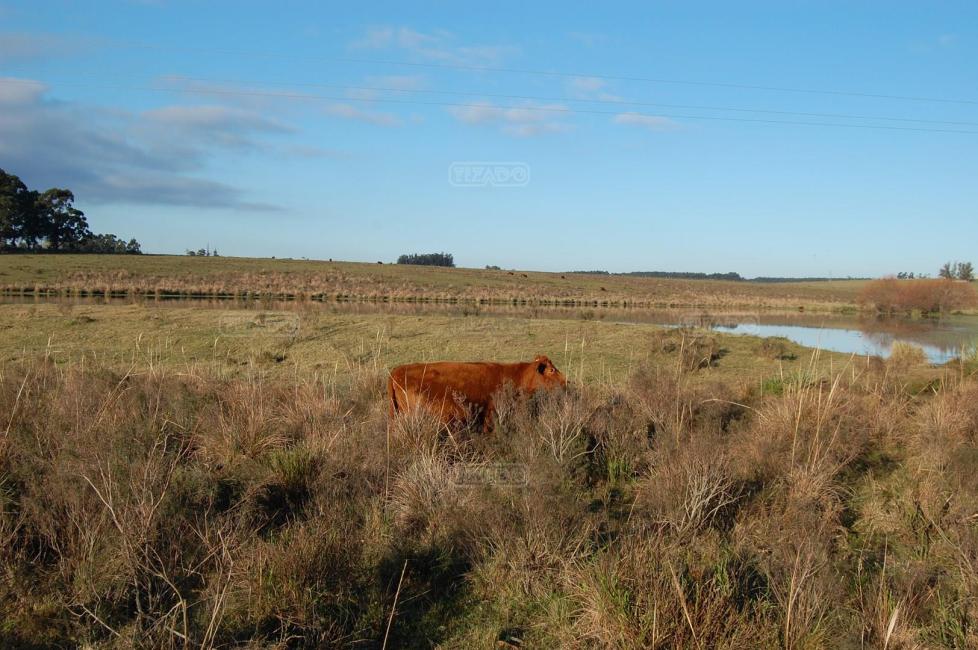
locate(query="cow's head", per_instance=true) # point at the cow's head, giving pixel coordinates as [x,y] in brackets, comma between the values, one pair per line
[545,374]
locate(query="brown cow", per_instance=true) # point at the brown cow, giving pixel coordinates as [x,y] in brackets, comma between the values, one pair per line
[455,391]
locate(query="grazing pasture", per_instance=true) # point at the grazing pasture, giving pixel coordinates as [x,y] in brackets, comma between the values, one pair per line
[185,275]
[175,476]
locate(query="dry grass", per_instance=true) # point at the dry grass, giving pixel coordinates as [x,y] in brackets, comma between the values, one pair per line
[160,275]
[214,341]
[148,506]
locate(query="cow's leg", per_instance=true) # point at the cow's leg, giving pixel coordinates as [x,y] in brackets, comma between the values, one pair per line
[487,416]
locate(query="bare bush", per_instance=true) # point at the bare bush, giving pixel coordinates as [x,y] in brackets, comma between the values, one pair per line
[143,508]
[687,487]
[562,417]
[890,295]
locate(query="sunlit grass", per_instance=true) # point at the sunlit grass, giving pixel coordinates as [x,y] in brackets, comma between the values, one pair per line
[174,477]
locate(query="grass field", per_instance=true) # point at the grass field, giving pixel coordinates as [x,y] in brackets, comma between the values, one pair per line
[185,275]
[310,340]
[179,476]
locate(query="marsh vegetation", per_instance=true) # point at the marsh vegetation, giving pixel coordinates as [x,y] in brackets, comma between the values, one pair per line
[715,491]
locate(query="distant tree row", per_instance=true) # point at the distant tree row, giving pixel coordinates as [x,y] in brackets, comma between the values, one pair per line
[204,252]
[763,279]
[33,221]
[428,259]
[957,271]
[910,275]
[684,275]
[731,276]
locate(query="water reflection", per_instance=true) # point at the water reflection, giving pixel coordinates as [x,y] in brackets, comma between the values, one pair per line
[850,341]
[941,339]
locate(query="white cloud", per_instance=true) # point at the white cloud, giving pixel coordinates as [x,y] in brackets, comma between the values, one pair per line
[250,96]
[651,122]
[28,46]
[351,112]
[311,151]
[375,38]
[591,89]
[393,85]
[403,37]
[528,120]
[222,125]
[398,82]
[255,97]
[15,91]
[587,84]
[930,44]
[587,39]
[438,46]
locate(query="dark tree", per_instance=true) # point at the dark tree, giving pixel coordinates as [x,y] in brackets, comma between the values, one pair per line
[59,220]
[965,271]
[16,203]
[427,259]
[108,244]
[49,221]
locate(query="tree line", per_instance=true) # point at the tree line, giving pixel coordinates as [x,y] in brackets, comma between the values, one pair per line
[48,221]
[428,259]
[731,276]
[685,275]
[957,271]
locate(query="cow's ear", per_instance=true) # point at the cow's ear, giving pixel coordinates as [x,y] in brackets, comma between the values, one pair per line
[542,363]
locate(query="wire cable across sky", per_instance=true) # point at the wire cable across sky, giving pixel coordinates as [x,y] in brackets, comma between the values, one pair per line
[475,105]
[554,73]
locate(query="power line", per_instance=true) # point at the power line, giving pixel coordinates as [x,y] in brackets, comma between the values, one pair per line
[556,73]
[617,102]
[552,109]
[585,100]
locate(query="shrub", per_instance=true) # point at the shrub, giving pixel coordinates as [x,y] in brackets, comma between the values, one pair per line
[905,355]
[891,296]
[776,347]
[141,509]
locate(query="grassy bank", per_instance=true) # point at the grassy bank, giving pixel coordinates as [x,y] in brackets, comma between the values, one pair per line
[172,479]
[184,275]
[229,342]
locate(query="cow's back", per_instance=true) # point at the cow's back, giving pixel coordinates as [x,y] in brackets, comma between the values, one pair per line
[477,381]
[447,388]
[457,391]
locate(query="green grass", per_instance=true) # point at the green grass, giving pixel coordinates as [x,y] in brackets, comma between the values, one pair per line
[172,470]
[187,475]
[310,339]
[184,275]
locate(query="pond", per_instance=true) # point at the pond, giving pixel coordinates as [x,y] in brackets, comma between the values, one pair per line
[941,339]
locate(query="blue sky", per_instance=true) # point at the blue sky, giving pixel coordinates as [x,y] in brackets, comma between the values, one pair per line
[328,130]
